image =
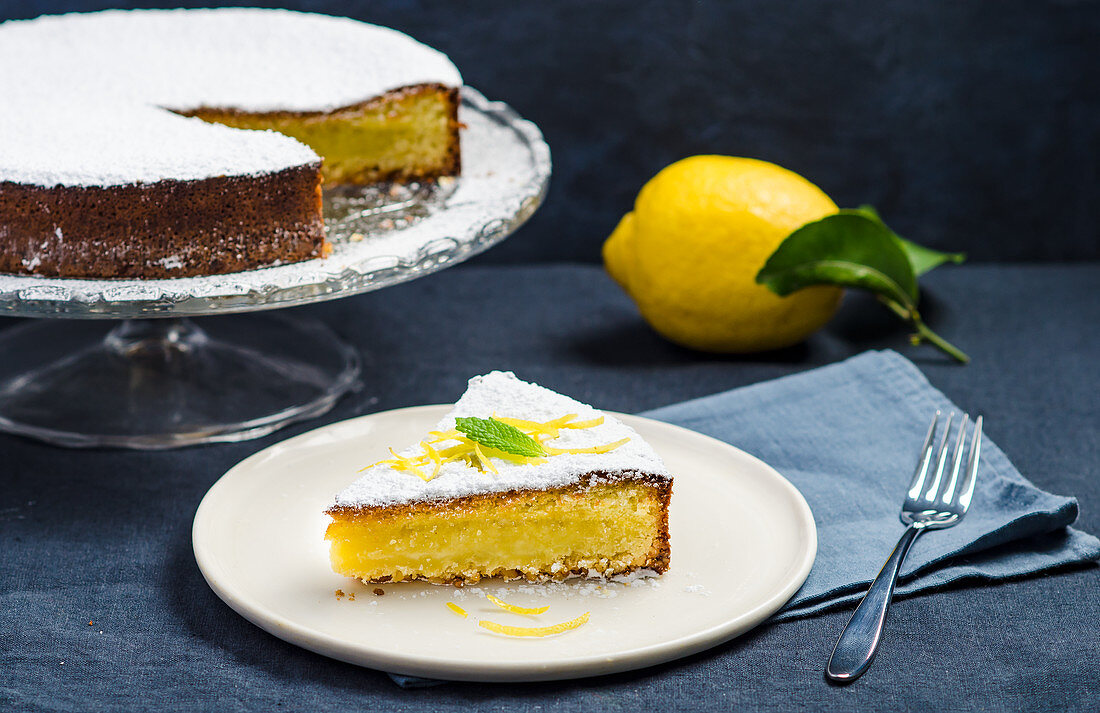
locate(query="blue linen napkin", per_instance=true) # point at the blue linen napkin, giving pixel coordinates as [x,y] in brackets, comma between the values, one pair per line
[847,436]
[856,427]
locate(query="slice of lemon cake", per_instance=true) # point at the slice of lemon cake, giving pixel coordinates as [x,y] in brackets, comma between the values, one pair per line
[517,481]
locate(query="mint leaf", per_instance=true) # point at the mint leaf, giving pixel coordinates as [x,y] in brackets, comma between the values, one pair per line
[496,434]
[854,248]
[921,258]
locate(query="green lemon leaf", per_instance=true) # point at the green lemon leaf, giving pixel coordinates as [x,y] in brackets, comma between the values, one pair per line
[496,434]
[921,258]
[849,249]
[854,248]
[924,259]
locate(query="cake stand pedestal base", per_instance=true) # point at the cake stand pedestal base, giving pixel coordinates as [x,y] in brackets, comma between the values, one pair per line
[166,383]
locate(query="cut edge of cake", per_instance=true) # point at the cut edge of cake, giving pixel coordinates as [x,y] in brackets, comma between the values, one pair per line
[388,134]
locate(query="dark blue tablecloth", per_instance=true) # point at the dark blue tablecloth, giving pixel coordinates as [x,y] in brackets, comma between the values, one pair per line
[104,536]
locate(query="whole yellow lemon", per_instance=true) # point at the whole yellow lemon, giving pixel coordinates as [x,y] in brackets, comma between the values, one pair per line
[700,231]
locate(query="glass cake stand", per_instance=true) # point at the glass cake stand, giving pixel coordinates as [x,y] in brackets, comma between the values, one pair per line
[164,363]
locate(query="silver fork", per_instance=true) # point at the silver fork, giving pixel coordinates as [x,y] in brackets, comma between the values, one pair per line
[932,503]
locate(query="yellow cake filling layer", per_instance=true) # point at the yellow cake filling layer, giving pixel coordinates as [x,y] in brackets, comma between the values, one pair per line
[607,528]
[404,136]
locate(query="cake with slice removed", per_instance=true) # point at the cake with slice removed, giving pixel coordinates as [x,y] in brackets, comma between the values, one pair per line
[517,481]
[175,143]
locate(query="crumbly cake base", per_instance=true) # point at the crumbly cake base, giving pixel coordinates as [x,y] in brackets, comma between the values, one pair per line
[165,229]
[368,519]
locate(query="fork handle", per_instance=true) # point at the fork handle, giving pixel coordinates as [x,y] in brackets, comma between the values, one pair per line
[861,636]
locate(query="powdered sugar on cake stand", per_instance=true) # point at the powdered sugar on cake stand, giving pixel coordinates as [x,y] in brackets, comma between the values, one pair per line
[380,239]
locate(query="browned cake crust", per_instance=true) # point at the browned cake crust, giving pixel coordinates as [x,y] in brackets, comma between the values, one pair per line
[165,229]
[657,559]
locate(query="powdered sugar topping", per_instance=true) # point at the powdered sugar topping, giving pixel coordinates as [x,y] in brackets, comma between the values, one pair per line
[106,147]
[88,104]
[502,394]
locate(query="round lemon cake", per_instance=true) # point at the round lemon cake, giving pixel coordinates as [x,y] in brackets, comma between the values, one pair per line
[164,143]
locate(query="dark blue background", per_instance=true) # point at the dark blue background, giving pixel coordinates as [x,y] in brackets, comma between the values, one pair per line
[971,125]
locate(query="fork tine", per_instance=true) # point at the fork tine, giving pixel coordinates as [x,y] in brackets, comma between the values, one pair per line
[941,460]
[966,490]
[925,459]
[956,463]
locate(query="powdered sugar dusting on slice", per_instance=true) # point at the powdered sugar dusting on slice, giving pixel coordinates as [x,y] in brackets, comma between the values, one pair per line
[502,394]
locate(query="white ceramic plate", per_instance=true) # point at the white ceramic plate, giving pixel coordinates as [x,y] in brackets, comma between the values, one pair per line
[743,541]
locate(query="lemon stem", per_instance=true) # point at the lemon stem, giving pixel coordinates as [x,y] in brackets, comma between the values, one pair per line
[924,333]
